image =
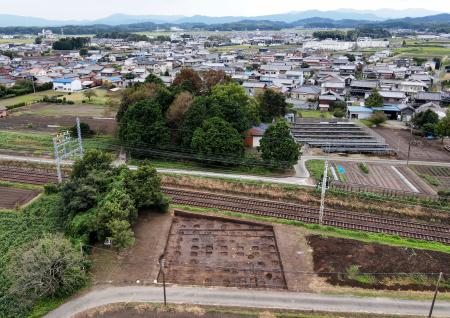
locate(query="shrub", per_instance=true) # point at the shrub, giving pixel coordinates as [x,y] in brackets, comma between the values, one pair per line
[378,118]
[364,168]
[339,113]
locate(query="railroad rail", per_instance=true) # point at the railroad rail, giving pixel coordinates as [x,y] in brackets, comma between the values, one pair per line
[290,211]
[277,209]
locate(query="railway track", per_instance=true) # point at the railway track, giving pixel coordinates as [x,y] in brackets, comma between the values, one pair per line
[267,208]
[341,219]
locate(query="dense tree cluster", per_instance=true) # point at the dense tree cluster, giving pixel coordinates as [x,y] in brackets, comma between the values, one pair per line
[103,202]
[203,114]
[71,43]
[133,37]
[430,124]
[352,35]
[23,87]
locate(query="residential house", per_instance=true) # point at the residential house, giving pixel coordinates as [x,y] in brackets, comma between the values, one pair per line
[441,112]
[254,88]
[359,112]
[67,85]
[426,97]
[360,88]
[412,87]
[254,135]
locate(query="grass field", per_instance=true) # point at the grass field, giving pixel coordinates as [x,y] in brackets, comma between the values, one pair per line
[315,168]
[16,41]
[57,110]
[101,99]
[315,114]
[42,144]
[428,51]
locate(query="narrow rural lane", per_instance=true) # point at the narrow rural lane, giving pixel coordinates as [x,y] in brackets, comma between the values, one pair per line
[247,298]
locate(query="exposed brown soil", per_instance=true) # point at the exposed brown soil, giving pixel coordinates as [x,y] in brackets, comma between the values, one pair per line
[12,197]
[139,262]
[421,148]
[214,251]
[439,174]
[416,181]
[347,262]
[382,176]
[33,122]
[131,310]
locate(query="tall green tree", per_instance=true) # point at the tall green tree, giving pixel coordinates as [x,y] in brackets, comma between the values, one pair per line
[143,124]
[442,128]
[217,137]
[234,105]
[426,117]
[144,187]
[278,147]
[272,105]
[374,99]
[152,78]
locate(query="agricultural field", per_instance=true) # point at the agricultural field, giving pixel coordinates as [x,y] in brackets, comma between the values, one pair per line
[11,197]
[314,114]
[371,175]
[436,177]
[148,310]
[41,144]
[360,262]
[102,97]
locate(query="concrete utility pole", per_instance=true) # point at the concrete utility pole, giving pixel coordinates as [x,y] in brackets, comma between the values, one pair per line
[435,295]
[324,189]
[162,263]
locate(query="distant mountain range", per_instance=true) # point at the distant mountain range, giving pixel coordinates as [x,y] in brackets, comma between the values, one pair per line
[121,19]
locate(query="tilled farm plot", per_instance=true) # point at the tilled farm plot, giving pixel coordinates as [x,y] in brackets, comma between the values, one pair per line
[12,197]
[436,177]
[212,251]
[28,175]
[379,176]
[347,262]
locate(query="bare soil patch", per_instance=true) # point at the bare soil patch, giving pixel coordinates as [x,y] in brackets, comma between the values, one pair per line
[12,197]
[347,262]
[139,262]
[421,148]
[214,251]
[143,310]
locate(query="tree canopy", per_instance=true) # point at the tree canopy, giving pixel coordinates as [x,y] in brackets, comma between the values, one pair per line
[217,137]
[278,147]
[374,99]
[272,105]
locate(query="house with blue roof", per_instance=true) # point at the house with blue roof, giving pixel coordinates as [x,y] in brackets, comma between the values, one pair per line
[68,85]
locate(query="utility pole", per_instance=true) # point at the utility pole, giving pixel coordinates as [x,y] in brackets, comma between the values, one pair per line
[409,145]
[324,189]
[435,295]
[162,262]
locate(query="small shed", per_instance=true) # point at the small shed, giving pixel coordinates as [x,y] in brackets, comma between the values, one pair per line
[254,135]
[359,112]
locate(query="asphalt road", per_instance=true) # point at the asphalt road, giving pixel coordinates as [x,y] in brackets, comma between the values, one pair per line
[250,299]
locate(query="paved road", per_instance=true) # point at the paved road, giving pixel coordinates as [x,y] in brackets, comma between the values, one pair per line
[282,180]
[247,298]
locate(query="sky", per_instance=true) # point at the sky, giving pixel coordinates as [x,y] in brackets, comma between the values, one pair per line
[93,9]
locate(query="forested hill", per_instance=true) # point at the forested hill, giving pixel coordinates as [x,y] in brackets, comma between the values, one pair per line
[436,23]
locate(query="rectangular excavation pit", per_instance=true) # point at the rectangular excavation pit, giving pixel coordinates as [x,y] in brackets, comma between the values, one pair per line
[214,251]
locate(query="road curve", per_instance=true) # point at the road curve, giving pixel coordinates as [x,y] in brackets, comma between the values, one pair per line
[229,297]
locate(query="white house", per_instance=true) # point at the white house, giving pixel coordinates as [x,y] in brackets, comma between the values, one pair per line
[67,85]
